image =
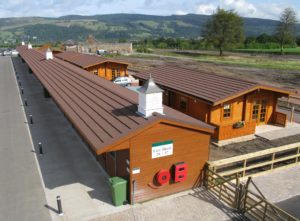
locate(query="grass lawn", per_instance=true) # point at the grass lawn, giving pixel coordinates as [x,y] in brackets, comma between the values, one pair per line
[271,51]
[249,61]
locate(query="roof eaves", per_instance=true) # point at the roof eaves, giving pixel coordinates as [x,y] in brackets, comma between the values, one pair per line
[253,88]
[154,120]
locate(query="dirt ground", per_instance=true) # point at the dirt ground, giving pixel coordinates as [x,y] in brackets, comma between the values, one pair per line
[258,144]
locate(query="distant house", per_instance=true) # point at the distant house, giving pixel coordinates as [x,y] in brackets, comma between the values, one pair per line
[235,107]
[103,67]
[70,45]
[45,47]
[91,45]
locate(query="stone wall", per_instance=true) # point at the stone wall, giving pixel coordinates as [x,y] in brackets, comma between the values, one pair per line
[122,48]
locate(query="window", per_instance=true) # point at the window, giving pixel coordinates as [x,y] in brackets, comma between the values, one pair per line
[255,110]
[113,154]
[118,72]
[95,72]
[227,111]
[183,104]
[263,111]
[113,73]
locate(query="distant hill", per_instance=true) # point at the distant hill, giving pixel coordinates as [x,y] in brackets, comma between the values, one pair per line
[113,27]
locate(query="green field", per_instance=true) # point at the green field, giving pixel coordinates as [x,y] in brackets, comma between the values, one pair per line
[271,51]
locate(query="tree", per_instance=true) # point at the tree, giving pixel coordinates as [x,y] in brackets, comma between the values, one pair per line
[298,41]
[286,27]
[223,29]
[264,38]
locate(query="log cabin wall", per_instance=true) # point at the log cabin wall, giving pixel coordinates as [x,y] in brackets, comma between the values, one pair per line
[241,110]
[191,147]
[107,69]
[187,104]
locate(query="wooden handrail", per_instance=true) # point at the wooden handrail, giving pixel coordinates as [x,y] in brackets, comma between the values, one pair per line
[252,155]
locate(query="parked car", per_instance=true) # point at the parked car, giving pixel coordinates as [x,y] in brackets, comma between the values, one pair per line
[123,81]
[14,53]
[101,52]
[6,53]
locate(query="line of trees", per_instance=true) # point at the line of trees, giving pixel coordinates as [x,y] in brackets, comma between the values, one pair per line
[224,30]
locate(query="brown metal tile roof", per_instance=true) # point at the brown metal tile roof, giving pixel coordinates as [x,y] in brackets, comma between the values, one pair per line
[206,86]
[85,60]
[67,55]
[101,111]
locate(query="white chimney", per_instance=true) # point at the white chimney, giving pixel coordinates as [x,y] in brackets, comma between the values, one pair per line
[23,43]
[49,54]
[150,99]
[29,46]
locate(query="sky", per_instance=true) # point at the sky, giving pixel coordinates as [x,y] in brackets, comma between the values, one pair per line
[270,9]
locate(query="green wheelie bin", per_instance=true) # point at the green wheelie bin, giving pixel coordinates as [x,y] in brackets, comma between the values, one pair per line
[118,188]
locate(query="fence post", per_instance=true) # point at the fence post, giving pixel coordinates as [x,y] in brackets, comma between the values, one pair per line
[292,114]
[59,206]
[237,183]
[298,151]
[273,158]
[133,191]
[245,194]
[265,211]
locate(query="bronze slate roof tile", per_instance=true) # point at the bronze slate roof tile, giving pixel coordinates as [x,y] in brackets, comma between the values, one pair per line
[84,60]
[209,87]
[101,111]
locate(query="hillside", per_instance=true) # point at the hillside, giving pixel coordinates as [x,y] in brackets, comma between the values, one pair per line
[117,26]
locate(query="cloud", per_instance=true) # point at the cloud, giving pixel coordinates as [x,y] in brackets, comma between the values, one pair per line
[206,9]
[244,8]
[181,12]
[52,8]
[241,6]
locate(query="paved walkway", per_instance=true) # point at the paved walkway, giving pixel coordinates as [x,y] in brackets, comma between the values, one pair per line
[68,168]
[280,185]
[271,132]
[192,205]
[21,191]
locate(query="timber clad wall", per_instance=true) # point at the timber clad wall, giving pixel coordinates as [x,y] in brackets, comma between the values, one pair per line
[103,67]
[106,70]
[189,147]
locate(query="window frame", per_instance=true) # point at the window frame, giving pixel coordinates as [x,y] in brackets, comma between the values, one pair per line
[184,100]
[225,111]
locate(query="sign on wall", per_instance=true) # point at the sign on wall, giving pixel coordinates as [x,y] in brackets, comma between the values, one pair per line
[162,149]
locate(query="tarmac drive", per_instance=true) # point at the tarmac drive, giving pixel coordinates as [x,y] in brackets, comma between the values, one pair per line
[21,191]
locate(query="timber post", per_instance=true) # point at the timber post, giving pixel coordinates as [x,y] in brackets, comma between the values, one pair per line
[292,114]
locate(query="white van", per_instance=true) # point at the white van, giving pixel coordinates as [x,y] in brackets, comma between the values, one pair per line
[123,81]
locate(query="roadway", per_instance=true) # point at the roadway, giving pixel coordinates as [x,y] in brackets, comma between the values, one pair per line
[22,194]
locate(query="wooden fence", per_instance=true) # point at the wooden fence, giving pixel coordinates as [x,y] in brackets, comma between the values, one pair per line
[246,202]
[259,162]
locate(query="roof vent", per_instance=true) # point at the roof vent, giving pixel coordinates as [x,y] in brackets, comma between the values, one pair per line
[49,54]
[23,43]
[150,98]
[29,46]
